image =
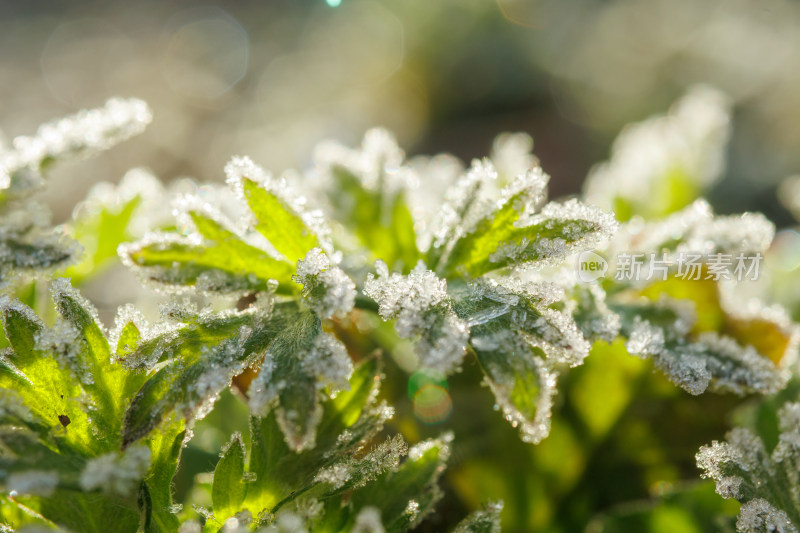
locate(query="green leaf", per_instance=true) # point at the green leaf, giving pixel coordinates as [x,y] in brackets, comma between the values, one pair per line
[348,420]
[221,261]
[197,370]
[763,480]
[284,228]
[406,496]
[300,362]
[695,362]
[382,223]
[228,488]
[498,240]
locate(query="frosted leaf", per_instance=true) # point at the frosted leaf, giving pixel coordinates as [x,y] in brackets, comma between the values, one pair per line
[684,150]
[467,200]
[40,482]
[355,473]
[299,364]
[326,288]
[503,312]
[767,484]
[378,163]
[512,154]
[368,520]
[695,363]
[484,521]
[81,135]
[422,312]
[116,472]
[594,318]
[29,245]
[63,342]
[515,230]
[533,420]
[694,230]
[239,170]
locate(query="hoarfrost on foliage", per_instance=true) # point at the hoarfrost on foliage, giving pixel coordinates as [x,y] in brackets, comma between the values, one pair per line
[694,230]
[531,430]
[116,472]
[378,163]
[768,484]
[326,288]
[79,135]
[709,360]
[760,516]
[690,141]
[240,168]
[358,472]
[420,305]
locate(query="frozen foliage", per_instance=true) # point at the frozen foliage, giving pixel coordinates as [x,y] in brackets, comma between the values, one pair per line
[118,473]
[709,360]
[484,521]
[768,484]
[327,289]
[422,311]
[355,473]
[378,164]
[664,156]
[80,135]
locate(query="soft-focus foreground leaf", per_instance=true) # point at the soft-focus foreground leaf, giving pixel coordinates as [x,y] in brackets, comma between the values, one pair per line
[766,481]
[368,195]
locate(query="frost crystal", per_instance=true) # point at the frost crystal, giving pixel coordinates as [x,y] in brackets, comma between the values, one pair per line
[758,515]
[422,310]
[358,472]
[79,135]
[688,144]
[710,360]
[327,289]
[39,482]
[116,473]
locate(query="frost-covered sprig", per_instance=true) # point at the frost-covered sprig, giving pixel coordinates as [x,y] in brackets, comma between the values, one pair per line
[660,165]
[422,311]
[246,238]
[81,135]
[767,483]
[326,287]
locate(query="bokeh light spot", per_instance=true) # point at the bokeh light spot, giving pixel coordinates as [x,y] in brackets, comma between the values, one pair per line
[432,404]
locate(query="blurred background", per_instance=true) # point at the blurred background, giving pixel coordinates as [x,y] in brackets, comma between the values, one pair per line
[270,79]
